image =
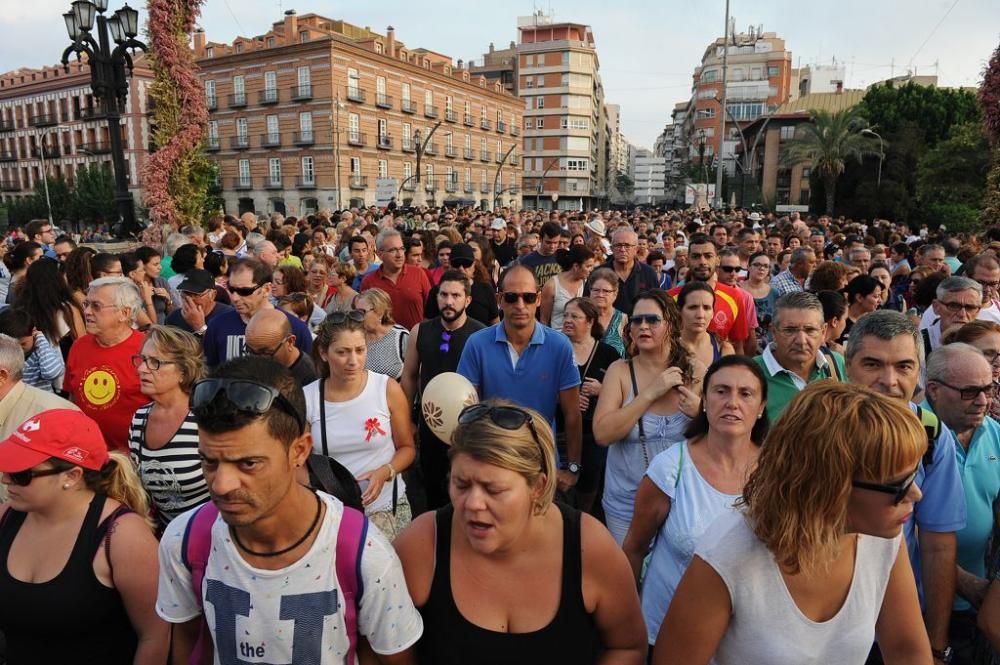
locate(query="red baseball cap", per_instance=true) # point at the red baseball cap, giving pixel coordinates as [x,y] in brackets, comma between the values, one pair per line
[61,433]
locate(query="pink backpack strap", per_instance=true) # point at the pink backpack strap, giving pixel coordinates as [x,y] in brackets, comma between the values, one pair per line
[351,537]
[195,548]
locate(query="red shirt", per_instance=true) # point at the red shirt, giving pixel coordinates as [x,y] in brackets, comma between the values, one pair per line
[408,293]
[734,311]
[104,384]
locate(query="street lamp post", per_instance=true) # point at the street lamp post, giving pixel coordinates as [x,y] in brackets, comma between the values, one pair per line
[496,176]
[541,182]
[45,171]
[722,116]
[881,153]
[420,146]
[108,79]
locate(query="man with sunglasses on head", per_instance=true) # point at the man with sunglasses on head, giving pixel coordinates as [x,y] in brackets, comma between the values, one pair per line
[483,306]
[435,346]
[270,583]
[885,352]
[959,387]
[269,335]
[250,289]
[528,363]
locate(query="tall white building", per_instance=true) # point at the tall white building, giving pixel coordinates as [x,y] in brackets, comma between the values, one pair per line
[649,174]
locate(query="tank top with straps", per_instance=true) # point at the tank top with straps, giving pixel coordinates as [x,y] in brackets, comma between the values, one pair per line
[72,618]
[451,639]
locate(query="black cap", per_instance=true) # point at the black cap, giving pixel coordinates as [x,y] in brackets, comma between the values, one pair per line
[462,251]
[196,281]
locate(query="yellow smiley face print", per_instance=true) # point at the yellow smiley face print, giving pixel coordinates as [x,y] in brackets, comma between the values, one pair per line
[100,387]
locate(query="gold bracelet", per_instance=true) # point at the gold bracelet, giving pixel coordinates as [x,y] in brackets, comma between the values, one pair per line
[392,471]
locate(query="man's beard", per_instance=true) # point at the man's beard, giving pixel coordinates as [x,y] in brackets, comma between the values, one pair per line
[449,314]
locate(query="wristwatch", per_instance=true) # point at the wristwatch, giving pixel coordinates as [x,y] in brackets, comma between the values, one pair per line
[944,655]
[574,468]
[201,331]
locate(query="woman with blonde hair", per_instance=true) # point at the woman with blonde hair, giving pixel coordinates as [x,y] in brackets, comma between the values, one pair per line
[340,278]
[163,435]
[468,564]
[386,340]
[78,559]
[814,563]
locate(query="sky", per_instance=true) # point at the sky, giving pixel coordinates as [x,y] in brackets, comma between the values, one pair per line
[647,49]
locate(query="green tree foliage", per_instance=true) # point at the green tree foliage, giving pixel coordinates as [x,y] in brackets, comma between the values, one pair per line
[989,100]
[94,194]
[828,143]
[936,110]
[954,171]
[625,185]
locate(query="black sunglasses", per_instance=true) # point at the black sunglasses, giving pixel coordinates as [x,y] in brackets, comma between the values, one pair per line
[339,318]
[461,263]
[244,291]
[511,297]
[897,490]
[649,319]
[729,268]
[510,418]
[24,478]
[245,395]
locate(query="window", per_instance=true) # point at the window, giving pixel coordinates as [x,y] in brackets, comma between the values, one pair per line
[380,87]
[383,168]
[702,114]
[241,128]
[578,143]
[308,170]
[755,73]
[468,142]
[482,178]
[378,47]
[407,170]
[787,133]
[468,107]
[244,170]
[353,82]
[468,176]
[428,98]
[303,36]
[213,131]
[540,123]
[539,102]
[272,128]
[450,175]
[270,81]
[355,166]
[405,92]
[540,80]
[354,126]
[449,141]
[383,128]
[239,89]
[528,124]
[529,82]
[430,172]
[305,80]
[210,52]
[274,170]
[271,42]
[449,104]
[210,92]
[577,165]
[482,144]
[306,122]
[710,76]
[239,47]
[482,112]
[406,134]
[806,172]
[499,148]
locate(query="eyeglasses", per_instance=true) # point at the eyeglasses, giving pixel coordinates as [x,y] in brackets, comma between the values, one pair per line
[623,245]
[510,418]
[968,393]
[989,286]
[393,250]
[24,478]
[511,297]
[650,320]
[446,341]
[244,395]
[339,318]
[244,291]
[897,490]
[956,307]
[602,291]
[266,353]
[729,268]
[96,306]
[810,331]
[152,363]
[462,263]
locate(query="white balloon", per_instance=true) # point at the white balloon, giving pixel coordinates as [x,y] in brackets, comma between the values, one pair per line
[443,399]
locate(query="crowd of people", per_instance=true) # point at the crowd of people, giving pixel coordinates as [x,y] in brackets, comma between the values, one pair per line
[700,437]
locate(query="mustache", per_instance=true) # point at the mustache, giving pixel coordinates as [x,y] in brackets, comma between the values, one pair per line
[232,497]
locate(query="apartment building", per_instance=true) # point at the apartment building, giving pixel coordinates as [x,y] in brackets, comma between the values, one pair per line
[566,136]
[618,158]
[318,113]
[51,124]
[649,177]
[498,65]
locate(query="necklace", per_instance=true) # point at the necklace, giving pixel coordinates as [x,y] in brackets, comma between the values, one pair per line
[312,527]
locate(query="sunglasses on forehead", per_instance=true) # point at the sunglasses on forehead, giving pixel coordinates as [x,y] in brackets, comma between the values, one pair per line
[244,395]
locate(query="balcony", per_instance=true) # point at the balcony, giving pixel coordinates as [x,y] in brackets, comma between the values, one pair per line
[501,127]
[355,139]
[408,145]
[268,97]
[499,158]
[270,140]
[484,188]
[385,143]
[406,106]
[358,182]
[383,101]
[238,100]
[212,144]
[302,92]
[43,120]
[450,116]
[430,186]
[485,124]
[212,103]
[410,185]
[92,113]
[467,120]
[515,130]
[9,186]
[484,155]
[239,142]
[8,156]
[303,138]
[431,149]
[430,111]
[242,184]
[48,152]
[273,184]
[305,183]
[451,185]
[450,151]
[469,153]
[94,148]
[355,94]
[7,125]
[469,188]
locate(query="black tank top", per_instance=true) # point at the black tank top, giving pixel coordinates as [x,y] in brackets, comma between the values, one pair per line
[439,352]
[450,639]
[72,618]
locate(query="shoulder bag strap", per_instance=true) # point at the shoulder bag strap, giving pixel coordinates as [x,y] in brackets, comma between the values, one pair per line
[351,537]
[680,465]
[833,363]
[322,416]
[586,368]
[642,430]
[197,544]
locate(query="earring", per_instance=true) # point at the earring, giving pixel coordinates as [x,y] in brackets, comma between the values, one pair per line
[66,486]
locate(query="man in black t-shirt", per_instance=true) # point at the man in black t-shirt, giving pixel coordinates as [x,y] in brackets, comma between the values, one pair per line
[503,245]
[435,346]
[542,261]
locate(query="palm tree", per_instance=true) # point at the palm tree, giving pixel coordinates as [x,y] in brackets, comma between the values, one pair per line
[827,142]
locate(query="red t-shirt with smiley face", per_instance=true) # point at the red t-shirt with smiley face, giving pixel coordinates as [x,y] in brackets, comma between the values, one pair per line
[104,384]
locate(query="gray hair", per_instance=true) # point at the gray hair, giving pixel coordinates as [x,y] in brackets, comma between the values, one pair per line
[384,235]
[174,242]
[262,247]
[956,284]
[886,325]
[859,250]
[253,239]
[193,231]
[11,356]
[797,300]
[944,358]
[801,254]
[126,294]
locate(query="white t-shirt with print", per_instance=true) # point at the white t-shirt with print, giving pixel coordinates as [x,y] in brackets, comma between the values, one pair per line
[291,615]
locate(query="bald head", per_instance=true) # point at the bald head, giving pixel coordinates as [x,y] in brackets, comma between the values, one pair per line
[269,334]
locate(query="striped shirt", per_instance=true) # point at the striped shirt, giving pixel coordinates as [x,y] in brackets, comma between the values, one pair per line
[44,367]
[385,355]
[171,474]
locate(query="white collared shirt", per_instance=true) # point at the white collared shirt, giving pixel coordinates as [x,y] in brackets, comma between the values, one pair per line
[774,367]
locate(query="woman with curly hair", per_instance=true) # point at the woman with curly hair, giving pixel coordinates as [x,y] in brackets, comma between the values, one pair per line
[645,404]
[46,296]
[78,272]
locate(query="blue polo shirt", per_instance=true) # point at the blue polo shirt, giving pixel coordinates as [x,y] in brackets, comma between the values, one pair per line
[545,367]
[979,469]
[942,508]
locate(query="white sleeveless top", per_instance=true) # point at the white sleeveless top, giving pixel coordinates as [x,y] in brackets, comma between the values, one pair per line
[561,297]
[358,433]
[767,627]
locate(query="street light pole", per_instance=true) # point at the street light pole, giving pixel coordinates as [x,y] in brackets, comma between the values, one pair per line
[108,79]
[722,116]
[420,147]
[881,153]
[541,182]
[496,176]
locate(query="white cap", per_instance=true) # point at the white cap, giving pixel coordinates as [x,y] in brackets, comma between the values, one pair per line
[498,223]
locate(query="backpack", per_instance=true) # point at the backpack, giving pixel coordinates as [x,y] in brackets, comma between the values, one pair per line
[351,537]
[933,428]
